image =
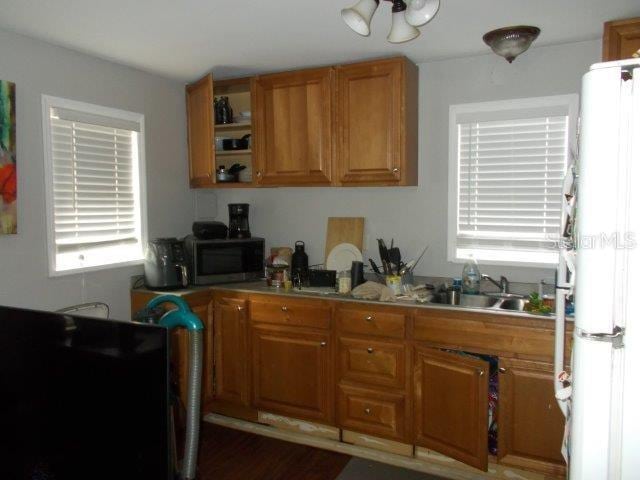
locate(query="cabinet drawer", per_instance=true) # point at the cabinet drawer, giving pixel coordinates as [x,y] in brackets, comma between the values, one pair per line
[372,362]
[371,411]
[292,312]
[371,322]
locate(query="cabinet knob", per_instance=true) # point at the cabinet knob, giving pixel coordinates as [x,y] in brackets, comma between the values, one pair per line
[240,308]
[259,173]
[323,344]
[502,370]
[284,308]
[480,372]
[396,170]
[369,350]
[368,318]
[367,411]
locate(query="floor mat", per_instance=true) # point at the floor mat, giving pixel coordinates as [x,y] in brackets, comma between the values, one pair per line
[361,469]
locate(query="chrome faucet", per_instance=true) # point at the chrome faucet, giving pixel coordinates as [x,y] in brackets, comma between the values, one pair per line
[503,284]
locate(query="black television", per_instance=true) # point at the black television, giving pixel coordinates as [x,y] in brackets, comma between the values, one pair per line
[82,398]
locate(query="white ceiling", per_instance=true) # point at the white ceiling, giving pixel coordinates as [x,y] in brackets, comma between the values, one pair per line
[182,39]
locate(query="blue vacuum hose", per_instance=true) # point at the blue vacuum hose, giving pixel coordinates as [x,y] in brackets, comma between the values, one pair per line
[184,317]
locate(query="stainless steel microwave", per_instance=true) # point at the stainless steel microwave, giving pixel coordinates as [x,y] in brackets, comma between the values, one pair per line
[224,260]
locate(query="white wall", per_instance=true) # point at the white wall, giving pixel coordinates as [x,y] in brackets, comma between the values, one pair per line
[418,216]
[38,68]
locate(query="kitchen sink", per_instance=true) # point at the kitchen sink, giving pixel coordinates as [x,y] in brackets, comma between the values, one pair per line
[478,301]
[472,301]
[490,301]
[517,304]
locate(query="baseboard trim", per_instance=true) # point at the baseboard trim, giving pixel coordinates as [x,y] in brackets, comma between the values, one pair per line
[446,471]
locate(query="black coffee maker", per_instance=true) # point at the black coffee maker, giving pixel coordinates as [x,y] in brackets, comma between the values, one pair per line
[239,220]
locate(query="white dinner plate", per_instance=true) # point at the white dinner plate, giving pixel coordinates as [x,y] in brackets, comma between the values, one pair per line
[341,256]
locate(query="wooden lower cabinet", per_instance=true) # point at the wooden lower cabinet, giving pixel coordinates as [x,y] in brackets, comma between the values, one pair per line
[292,373]
[451,405]
[201,304]
[230,346]
[375,412]
[530,423]
[379,371]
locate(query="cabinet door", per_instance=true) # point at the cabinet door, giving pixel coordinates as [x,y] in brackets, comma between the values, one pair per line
[292,373]
[451,405]
[293,127]
[621,39]
[230,347]
[376,123]
[204,311]
[530,424]
[200,132]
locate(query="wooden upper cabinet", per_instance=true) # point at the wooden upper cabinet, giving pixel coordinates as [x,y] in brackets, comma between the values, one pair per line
[451,405]
[293,128]
[230,347]
[530,423]
[292,373]
[621,39]
[200,132]
[377,121]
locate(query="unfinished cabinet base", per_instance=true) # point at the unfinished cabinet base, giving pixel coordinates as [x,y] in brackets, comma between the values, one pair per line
[422,461]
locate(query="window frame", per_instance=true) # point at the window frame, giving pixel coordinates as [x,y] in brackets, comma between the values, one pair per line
[49,102]
[569,101]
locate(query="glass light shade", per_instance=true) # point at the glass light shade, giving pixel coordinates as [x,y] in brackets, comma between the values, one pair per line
[359,16]
[421,12]
[509,42]
[401,31]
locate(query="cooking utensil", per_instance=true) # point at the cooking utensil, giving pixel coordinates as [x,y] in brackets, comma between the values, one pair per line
[382,249]
[225,176]
[420,257]
[236,168]
[236,143]
[374,267]
[395,258]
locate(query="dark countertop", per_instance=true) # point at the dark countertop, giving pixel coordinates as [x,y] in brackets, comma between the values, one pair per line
[261,288]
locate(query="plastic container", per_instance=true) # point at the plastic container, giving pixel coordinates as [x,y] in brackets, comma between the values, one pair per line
[471,277]
[344,282]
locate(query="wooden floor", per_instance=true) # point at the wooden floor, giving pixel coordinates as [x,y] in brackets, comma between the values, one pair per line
[227,454]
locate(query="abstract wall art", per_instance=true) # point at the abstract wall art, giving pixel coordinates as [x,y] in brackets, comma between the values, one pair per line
[8,173]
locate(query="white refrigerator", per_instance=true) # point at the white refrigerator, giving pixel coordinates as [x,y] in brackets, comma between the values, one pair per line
[600,264]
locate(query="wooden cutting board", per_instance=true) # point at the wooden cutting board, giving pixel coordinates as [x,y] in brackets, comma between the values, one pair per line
[344,230]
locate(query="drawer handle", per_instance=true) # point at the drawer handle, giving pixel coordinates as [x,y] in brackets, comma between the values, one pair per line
[502,370]
[369,350]
[367,411]
[368,318]
[323,344]
[396,170]
[284,308]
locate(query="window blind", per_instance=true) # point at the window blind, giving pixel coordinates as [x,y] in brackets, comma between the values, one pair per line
[510,174]
[95,187]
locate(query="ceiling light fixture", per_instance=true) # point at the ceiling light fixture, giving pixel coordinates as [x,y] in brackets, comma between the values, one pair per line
[509,42]
[405,17]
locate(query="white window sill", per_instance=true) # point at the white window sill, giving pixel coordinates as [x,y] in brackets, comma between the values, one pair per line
[95,268]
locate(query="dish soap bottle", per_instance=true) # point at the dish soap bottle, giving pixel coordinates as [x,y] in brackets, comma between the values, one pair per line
[471,277]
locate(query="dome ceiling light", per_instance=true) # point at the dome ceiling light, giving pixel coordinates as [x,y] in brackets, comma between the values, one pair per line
[405,17]
[509,42]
